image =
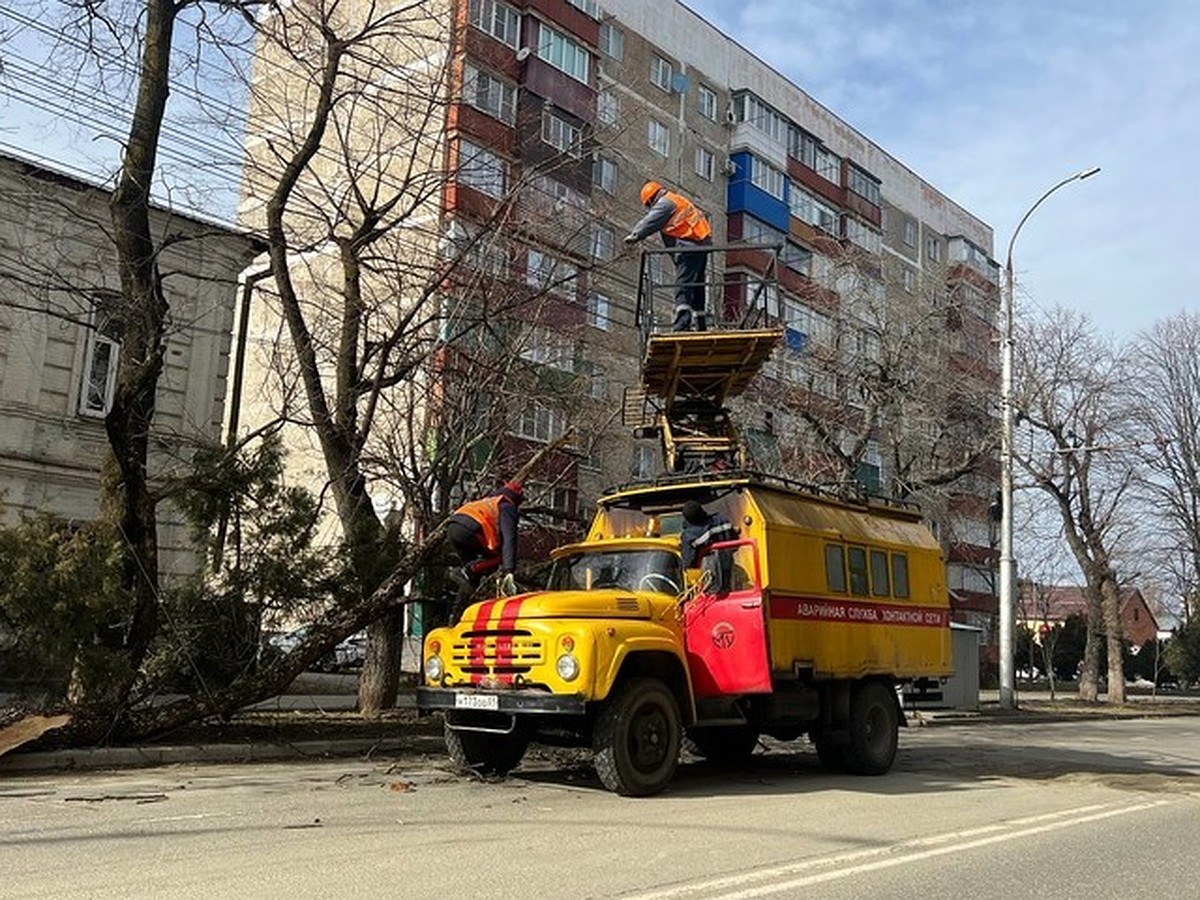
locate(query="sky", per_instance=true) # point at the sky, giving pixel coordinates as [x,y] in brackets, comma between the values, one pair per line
[990,101]
[995,101]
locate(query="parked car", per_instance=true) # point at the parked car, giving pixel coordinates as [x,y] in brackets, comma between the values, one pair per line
[352,652]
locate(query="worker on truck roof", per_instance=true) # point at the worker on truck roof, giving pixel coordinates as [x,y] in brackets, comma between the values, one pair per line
[483,534]
[682,225]
[701,529]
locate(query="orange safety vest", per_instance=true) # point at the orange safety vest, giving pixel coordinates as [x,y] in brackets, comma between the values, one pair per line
[687,223]
[486,512]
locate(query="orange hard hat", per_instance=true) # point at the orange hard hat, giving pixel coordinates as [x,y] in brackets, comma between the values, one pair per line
[649,191]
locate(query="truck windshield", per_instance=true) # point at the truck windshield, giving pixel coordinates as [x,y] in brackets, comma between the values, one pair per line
[630,570]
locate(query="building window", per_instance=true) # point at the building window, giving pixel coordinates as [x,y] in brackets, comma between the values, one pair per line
[612,40]
[765,176]
[866,186]
[604,174]
[660,73]
[547,348]
[807,208]
[704,164]
[909,280]
[604,241]
[748,108]
[910,233]
[706,102]
[933,250]
[608,108]
[563,53]
[100,360]
[482,169]
[598,311]
[540,423]
[591,7]
[658,137]
[549,273]
[863,235]
[560,134]
[498,19]
[489,94]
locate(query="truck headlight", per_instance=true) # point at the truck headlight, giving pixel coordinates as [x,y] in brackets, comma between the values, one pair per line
[433,668]
[567,667]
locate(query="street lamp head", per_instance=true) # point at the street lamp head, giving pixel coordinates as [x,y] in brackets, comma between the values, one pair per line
[1088,173]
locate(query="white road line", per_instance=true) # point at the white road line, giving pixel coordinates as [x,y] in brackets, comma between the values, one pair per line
[858,861]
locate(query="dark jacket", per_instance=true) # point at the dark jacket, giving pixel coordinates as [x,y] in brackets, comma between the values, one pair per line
[694,538]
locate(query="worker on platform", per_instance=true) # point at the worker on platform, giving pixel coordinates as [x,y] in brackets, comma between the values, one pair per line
[483,535]
[683,226]
[701,529]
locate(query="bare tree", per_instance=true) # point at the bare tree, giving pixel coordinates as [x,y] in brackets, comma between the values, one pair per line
[1167,387]
[884,380]
[1070,396]
[414,342]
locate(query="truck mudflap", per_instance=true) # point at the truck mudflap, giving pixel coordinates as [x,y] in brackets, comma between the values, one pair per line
[431,699]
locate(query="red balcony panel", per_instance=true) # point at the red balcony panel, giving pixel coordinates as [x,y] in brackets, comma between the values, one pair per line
[864,208]
[820,186]
[491,53]
[791,281]
[483,129]
[559,88]
[567,18]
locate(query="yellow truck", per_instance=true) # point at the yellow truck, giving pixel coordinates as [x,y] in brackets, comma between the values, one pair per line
[820,608]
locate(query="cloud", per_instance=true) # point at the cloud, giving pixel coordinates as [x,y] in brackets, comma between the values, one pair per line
[994,103]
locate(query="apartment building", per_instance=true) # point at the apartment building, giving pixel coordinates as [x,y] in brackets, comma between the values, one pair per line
[558,110]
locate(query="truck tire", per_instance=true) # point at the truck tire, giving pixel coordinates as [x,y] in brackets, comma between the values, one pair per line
[636,738]
[730,744]
[486,752]
[874,729]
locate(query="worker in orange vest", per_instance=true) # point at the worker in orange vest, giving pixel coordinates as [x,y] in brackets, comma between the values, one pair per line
[483,534]
[682,225]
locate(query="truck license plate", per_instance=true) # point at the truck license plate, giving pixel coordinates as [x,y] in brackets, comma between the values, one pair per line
[476,701]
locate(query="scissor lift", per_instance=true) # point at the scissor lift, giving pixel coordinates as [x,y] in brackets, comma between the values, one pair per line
[687,378]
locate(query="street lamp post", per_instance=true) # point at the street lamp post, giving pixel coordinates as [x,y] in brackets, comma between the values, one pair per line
[1008,566]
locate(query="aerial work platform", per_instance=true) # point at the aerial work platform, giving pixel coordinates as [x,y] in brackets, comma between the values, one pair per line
[705,365]
[687,378]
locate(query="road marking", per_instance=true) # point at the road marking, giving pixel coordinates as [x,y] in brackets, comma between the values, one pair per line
[742,886]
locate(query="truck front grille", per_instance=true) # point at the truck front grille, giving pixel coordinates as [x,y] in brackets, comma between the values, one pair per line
[497,652]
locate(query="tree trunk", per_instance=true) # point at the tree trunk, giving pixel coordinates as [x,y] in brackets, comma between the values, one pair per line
[1111,602]
[380,680]
[1089,675]
[105,670]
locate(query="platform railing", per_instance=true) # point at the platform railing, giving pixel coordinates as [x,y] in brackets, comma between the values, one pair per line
[735,300]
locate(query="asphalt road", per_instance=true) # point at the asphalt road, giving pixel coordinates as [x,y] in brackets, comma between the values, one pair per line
[1093,809]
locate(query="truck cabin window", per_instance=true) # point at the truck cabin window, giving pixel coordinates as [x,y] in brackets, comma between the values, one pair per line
[628,570]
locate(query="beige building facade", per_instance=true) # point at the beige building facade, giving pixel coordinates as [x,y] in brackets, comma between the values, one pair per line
[60,345]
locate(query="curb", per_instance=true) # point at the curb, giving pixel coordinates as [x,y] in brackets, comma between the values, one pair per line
[166,755]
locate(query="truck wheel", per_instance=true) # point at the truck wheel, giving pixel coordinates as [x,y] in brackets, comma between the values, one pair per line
[636,738]
[874,729]
[486,752]
[732,744]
